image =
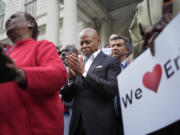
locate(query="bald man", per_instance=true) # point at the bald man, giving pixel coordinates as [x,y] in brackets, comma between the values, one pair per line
[93,89]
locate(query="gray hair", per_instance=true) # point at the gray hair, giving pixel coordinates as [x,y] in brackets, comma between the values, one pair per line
[127,43]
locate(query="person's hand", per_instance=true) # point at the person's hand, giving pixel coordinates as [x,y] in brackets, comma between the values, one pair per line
[75,64]
[9,71]
[154,31]
[72,75]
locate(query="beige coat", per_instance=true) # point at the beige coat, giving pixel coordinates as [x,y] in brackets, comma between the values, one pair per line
[148,12]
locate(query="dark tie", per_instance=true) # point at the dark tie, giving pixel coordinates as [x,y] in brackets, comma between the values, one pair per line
[123,66]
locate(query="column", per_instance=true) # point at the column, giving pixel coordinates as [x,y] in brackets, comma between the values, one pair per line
[70,23]
[52,25]
[106,30]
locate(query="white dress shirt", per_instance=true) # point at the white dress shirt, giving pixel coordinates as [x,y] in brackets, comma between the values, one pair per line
[89,62]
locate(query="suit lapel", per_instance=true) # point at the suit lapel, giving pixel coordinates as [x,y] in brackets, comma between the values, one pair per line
[99,58]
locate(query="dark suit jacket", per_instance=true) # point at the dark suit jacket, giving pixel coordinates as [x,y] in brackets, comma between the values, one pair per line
[93,97]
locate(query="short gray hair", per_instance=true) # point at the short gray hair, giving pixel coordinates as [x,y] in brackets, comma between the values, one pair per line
[127,43]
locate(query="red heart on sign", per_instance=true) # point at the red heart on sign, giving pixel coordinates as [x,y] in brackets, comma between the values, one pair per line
[152,79]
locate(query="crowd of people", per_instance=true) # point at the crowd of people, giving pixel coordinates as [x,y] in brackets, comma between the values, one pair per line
[39,91]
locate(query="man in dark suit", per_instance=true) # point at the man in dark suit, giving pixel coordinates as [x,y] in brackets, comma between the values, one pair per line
[93,89]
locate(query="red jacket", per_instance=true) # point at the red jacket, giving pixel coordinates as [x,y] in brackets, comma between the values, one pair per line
[37,110]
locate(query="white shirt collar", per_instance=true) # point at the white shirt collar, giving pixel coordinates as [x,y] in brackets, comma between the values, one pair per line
[89,61]
[124,64]
[93,56]
[96,53]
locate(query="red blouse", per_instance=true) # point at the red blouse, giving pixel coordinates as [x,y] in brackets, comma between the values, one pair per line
[37,110]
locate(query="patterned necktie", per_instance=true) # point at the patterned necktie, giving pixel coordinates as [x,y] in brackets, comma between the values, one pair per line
[167,7]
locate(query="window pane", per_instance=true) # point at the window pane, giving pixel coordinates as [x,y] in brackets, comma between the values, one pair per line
[1,23]
[30,7]
[2,14]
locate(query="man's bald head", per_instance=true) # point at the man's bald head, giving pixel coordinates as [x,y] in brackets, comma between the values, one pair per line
[89,41]
[90,31]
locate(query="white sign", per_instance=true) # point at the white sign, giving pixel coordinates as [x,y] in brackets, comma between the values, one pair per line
[149,87]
